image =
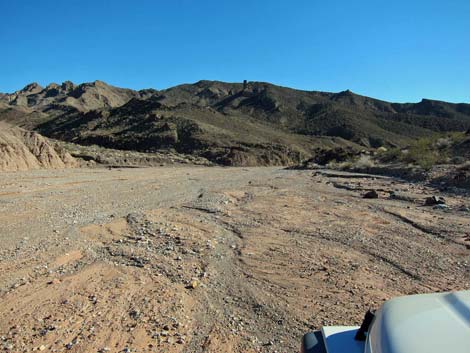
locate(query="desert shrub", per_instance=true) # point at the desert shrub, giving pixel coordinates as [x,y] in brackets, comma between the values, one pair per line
[424,153]
[429,151]
[361,162]
[426,161]
[443,143]
[376,142]
[457,137]
[459,160]
[364,162]
[338,155]
[389,156]
[345,165]
[465,166]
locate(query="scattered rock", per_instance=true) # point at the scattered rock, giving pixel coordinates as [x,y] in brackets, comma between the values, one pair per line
[69,346]
[434,200]
[464,209]
[194,284]
[371,195]
[441,207]
[401,196]
[135,314]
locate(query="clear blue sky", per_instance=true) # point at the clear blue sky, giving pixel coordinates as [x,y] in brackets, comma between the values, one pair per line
[399,50]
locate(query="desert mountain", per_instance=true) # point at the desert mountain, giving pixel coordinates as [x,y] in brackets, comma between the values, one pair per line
[250,123]
[24,150]
[84,97]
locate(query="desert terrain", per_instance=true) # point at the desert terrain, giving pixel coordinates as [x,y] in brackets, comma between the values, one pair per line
[213,259]
[242,124]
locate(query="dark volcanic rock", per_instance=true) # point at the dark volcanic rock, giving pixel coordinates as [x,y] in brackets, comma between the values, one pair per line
[371,195]
[434,200]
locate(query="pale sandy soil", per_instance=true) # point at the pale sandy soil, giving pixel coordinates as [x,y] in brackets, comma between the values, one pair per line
[197,259]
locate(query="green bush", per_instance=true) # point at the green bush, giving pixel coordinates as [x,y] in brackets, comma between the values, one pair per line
[425,152]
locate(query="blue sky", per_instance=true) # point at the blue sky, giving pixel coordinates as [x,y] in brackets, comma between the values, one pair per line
[394,50]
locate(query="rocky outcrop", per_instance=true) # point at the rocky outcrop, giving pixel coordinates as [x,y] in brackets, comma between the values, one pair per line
[24,150]
[83,97]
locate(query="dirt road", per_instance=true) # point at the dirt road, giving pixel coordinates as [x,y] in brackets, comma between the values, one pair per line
[198,259]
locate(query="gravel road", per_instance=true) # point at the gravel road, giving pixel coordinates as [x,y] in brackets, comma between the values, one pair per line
[210,259]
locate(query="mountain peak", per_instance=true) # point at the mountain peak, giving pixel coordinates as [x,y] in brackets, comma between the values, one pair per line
[347,92]
[100,83]
[33,87]
[67,85]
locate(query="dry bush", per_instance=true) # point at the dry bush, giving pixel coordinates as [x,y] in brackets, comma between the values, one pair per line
[364,162]
[465,166]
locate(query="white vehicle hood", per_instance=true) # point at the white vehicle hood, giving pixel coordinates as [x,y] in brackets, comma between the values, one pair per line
[429,323]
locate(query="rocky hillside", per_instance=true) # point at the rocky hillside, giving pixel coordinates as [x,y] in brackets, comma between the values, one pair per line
[250,123]
[24,150]
[84,97]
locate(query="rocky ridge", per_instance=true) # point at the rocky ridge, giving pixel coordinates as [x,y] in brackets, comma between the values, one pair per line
[250,123]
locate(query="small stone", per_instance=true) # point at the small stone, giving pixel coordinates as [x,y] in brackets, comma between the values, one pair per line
[42,347]
[194,284]
[371,195]
[441,207]
[135,314]
[69,345]
[434,200]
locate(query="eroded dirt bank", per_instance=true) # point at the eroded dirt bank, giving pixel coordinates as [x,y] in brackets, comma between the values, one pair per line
[212,259]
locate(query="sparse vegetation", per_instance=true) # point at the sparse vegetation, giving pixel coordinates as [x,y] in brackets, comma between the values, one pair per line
[429,151]
[424,153]
[364,162]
